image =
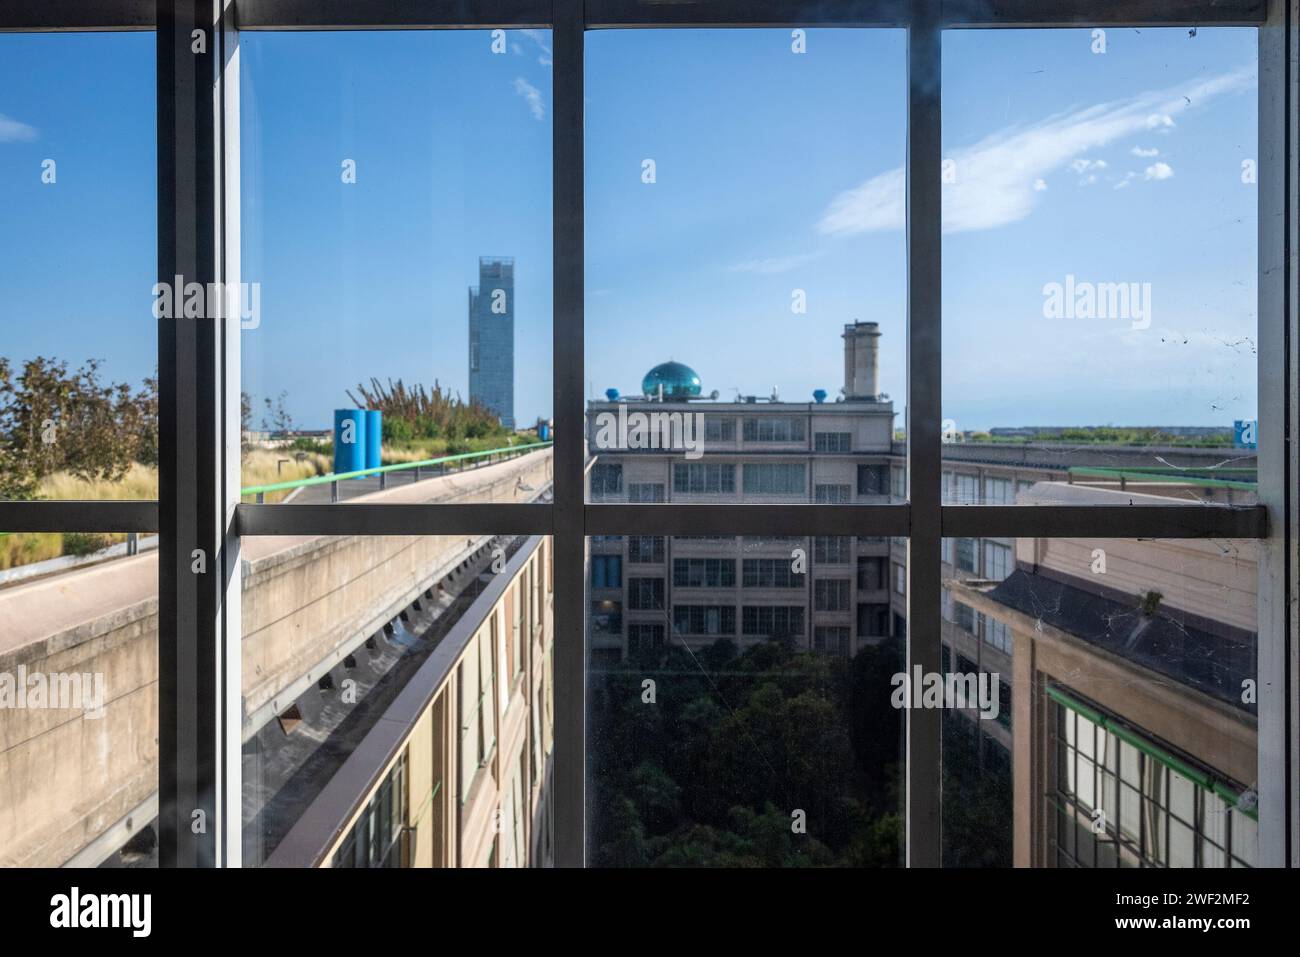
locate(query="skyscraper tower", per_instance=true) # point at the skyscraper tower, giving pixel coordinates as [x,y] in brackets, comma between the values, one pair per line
[492,337]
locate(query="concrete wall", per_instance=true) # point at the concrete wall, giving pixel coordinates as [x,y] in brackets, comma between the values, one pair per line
[65,779]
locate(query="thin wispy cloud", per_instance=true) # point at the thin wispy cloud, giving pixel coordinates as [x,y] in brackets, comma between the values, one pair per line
[996,177]
[774,265]
[1144,153]
[532,96]
[12,131]
[544,48]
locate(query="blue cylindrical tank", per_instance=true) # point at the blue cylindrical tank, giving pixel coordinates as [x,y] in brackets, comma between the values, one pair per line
[349,440]
[544,432]
[374,438]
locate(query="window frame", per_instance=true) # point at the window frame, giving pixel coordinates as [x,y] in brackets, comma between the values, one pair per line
[199,507]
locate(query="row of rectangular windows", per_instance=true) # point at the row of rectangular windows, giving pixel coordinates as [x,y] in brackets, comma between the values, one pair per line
[708,478]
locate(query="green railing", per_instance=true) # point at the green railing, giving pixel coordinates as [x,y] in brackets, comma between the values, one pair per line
[383,470]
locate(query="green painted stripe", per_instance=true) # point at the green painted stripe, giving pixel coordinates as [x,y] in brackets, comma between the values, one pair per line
[1153,476]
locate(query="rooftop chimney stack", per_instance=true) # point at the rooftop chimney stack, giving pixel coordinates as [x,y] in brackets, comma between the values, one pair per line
[861,360]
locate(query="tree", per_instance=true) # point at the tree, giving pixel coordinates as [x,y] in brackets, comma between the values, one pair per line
[53,420]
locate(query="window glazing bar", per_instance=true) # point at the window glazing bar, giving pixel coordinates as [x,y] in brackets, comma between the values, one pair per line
[702,519]
[190,560]
[1081,13]
[1104,521]
[751,13]
[77,15]
[391,14]
[1279,416]
[570,543]
[79,516]
[434,519]
[924,438]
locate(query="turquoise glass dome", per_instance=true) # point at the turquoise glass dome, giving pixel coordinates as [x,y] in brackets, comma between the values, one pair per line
[679,381]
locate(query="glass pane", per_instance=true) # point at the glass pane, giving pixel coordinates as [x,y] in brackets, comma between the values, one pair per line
[1138,658]
[1099,265]
[409,679]
[396,255]
[78,264]
[744,332]
[739,702]
[79,700]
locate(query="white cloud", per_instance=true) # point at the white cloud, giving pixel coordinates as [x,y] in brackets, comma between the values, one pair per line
[1159,121]
[776,264]
[1040,184]
[1085,165]
[533,96]
[1144,153]
[1159,171]
[544,48]
[11,131]
[995,184]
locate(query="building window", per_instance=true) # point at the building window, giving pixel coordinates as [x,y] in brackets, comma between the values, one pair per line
[719,429]
[898,478]
[645,492]
[699,478]
[945,551]
[872,571]
[1118,799]
[645,594]
[704,573]
[963,616]
[968,489]
[873,620]
[773,429]
[997,561]
[873,479]
[833,494]
[900,579]
[606,480]
[645,549]
[773,621]
[966,555]
[833,549]
[606,571]
[376,839]
[833,441]
[996,634]
[607,618]
[704,619]
[771,573]
[831,594]
[644,637]
[831,638]
[775,479]
[997,491]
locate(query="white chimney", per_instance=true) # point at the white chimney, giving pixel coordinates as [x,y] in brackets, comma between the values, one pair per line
[861,360]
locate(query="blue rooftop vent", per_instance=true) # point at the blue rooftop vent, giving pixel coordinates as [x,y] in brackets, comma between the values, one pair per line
[678,381]
[611,395]
[819,396]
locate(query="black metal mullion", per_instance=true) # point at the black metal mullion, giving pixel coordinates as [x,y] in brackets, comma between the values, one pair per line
[924,441]
[568,514]
[189,559]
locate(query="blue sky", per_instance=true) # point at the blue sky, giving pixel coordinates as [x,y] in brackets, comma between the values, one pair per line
[775,172]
